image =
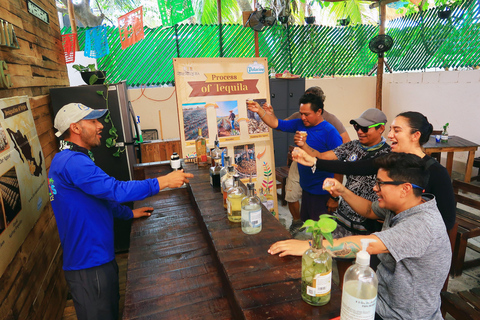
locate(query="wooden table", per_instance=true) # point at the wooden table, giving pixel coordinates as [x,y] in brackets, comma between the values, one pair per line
[454,144]
[188,261]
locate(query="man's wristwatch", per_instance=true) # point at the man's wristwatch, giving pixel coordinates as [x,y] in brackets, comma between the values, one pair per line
[335,198]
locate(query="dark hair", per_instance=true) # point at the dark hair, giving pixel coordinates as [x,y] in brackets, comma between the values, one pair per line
[418,122]
[315,101]
[316,90]
[404,167]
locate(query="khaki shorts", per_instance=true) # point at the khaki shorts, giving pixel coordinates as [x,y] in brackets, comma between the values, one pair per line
[293,191]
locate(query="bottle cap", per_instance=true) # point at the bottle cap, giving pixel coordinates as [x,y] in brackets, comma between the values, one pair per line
[236,177]
[363,258]
[230,169]
[251,186]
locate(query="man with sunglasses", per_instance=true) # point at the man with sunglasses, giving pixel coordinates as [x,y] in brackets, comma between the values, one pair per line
[370,144]
[413,246]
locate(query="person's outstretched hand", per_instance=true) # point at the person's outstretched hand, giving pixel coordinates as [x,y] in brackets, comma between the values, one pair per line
[303,158]
[268,109]
[254,106]
[174,179]
[289,247]
[142,212]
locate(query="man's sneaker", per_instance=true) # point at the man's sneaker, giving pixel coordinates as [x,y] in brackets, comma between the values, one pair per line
[295,227]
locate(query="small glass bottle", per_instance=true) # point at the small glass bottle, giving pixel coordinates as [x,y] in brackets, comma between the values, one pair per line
[262,197]
[216,168]
[270,204]
[444,137]
[201,149]
[251,211]
[316,272]
[216,152]
[227,184]
[224,170]
[234,200]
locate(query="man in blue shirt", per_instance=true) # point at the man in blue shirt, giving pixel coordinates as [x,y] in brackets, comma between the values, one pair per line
[320,136]
[85,200]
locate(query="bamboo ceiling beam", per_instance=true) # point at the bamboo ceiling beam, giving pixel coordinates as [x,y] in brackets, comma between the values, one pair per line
[73,24]
[380,67]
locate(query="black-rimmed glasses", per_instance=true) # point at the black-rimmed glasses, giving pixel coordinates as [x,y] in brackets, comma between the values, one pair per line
[379,184]
[357,127]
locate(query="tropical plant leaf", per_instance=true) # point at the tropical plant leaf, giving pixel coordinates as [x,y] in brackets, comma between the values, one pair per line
[93,79]
[328,236]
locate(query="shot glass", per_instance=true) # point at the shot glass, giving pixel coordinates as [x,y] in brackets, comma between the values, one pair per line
[327,185]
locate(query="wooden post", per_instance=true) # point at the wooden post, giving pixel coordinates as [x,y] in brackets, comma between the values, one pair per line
[73,24]
[380,67]
[255,34]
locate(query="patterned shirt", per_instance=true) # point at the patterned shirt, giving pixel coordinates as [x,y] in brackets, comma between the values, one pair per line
[360,185]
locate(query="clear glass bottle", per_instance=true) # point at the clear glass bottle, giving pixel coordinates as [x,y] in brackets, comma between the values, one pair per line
[234,200]
[316,272]
[251,211]
[270,204]
[360,286]
[224,170]
[444,136]
[262,197]
[227,184]
[201,149]
[216,152]
[216,168]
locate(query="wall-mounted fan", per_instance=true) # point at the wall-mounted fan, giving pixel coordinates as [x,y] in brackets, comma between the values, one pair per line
[260,19]
[379,45]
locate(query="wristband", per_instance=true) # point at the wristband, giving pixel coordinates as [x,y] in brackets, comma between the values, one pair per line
[335,198]
[264,113]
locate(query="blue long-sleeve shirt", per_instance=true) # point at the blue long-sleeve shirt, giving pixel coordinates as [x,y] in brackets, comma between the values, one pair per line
[85,200]
[322,137]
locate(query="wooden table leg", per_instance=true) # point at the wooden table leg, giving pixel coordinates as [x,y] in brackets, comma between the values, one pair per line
[469,168]
[449,162]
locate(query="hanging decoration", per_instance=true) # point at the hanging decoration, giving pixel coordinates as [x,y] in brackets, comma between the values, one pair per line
[174,11]
[68,42]
[96,42]
[130,27]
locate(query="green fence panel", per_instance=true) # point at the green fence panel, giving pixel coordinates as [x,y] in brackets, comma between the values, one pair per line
[421,41]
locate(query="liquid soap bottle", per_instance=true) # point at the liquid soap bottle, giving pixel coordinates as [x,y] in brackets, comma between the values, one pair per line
[360,285]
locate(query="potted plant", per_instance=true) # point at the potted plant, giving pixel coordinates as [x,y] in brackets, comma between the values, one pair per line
[90,74]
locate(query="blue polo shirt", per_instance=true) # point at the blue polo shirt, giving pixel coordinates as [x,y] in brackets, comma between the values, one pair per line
[322,137]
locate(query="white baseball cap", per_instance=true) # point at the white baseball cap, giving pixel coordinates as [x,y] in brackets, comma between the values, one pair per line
[72,113]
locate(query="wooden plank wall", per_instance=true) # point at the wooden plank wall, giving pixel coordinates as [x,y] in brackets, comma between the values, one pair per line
[33,286]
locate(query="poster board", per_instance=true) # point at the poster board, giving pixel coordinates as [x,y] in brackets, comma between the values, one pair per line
[23,177]
[212,95]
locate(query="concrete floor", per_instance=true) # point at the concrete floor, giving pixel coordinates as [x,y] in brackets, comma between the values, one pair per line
[468,280]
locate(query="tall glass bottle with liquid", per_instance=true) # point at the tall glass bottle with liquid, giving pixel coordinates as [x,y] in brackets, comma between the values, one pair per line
[216,155]
[227,184]
[234,200]
[201,149]
[224,170]
[251,211]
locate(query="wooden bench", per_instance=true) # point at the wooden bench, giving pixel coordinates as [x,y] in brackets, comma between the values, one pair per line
[468,226]
[464,305]
[281,174]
